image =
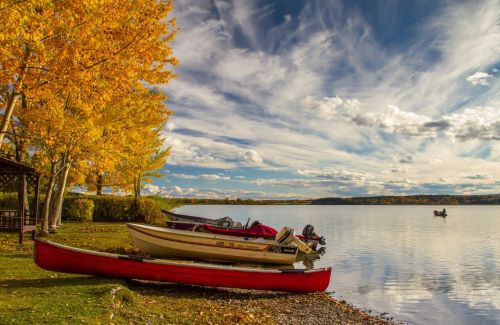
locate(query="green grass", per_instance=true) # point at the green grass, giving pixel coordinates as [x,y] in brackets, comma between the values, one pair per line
[30,295]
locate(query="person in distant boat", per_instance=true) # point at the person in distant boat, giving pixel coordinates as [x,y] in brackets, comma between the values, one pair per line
[444,210]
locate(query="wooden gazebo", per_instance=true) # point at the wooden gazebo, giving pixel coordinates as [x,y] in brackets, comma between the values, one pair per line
[16,177]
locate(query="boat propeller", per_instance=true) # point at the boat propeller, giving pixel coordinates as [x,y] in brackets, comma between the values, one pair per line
[286,236]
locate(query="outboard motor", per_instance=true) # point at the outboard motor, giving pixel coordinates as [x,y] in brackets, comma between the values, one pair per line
[308,233]
[286,236]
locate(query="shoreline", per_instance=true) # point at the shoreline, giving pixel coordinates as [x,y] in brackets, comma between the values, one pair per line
[36,296]
[229,305]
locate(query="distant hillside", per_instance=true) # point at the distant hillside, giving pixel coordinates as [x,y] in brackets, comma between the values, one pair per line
[411,199]
[236,201]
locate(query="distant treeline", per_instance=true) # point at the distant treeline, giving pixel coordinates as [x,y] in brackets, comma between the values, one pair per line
[412,200]
[372,200]
[237,201]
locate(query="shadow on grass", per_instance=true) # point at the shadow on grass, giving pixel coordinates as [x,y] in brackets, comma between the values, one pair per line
[176,290]
[83,280]
[147,288]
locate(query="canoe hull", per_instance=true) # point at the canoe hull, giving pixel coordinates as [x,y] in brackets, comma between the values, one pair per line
[60,258]
[161,242]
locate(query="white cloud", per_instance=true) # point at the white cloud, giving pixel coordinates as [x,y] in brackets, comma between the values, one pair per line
[283,93]
[401,122]
[336,174]
[475,123]
[215,193]
[150,189]
[252,157]
[331,107]
[177,190]
[197,152]
[479,78]
[171,126]
[478,176]
[205,177]
[408,159]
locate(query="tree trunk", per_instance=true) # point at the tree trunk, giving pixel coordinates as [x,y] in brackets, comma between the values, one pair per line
[48,195]
[8,114]
[58,202]
[138,188]
[13,99]
[99,184]
[53,201]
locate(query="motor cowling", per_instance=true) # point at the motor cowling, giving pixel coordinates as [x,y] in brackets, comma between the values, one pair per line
[286,236]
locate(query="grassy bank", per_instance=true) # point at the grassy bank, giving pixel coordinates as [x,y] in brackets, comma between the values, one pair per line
[32,295]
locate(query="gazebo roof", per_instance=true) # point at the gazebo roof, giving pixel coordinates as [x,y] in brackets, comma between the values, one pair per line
[8,166]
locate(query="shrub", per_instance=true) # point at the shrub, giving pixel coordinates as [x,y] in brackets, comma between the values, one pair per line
[146,210]
[8,201]
[112,208]
[119,208]
[81,210]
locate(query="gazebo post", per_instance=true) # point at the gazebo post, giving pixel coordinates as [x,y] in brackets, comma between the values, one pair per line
[37,203]
[22,207]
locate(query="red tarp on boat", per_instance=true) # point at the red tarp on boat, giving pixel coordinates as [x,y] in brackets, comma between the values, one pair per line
[258,230]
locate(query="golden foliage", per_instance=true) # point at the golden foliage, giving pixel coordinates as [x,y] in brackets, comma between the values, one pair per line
[87,70]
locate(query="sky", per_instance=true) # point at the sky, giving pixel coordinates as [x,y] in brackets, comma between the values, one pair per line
[308,99]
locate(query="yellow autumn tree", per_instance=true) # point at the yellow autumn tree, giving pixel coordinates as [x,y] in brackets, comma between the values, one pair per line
[135,115]
[92,54]
[23,54]
[49,45]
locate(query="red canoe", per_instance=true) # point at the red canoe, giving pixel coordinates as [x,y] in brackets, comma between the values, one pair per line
[61,258]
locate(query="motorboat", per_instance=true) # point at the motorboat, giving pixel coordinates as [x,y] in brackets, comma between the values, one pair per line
[227,226]
[166,242]
[440,213]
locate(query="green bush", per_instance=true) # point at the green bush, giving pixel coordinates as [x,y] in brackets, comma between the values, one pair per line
[120,208]
[81,210]
[146,210]
[112,208]
[9,201]
[106,208]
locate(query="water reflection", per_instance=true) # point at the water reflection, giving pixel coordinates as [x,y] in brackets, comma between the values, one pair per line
[308,259]
[400,259]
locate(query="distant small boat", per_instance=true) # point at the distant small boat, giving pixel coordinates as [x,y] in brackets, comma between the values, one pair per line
[60,258]
[165,242]
[440,213]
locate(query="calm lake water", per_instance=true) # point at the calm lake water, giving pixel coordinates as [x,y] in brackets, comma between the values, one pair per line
[402,260]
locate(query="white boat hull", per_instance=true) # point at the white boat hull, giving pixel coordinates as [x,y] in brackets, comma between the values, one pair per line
[162,242]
